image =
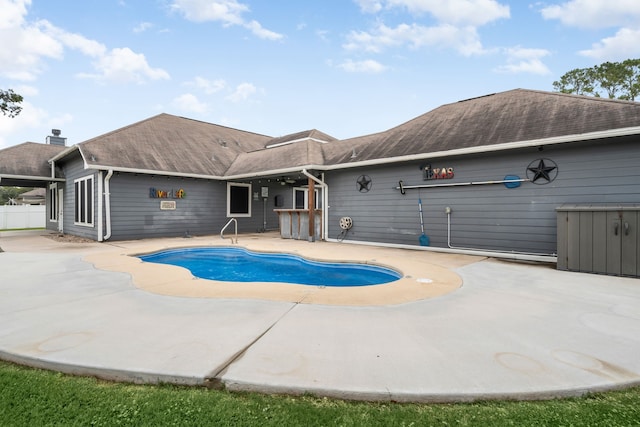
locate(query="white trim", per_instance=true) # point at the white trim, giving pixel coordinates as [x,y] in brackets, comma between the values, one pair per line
[63,153]
[305,190]
[411,157]
[154,172]
[249,198]
[61,209]
[52,189]
[87,187]
[32,178]
[457,152]
[325,202]
[100,218]
[107,204]
[280,144]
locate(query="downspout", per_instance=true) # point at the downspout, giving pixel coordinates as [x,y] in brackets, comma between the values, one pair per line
[107,204]
[100,204]
[325,202]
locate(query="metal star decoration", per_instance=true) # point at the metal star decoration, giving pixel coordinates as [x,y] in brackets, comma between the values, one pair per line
[542,170]
[364,183]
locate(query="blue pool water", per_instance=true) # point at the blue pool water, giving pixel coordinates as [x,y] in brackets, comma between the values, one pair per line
[241,265]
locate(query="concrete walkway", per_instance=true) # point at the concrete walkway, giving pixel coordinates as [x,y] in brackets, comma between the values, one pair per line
[512,330]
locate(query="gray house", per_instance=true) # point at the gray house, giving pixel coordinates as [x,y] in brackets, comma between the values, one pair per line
[487,175]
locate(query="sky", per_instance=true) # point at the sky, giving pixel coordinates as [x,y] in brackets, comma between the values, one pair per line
[345,67]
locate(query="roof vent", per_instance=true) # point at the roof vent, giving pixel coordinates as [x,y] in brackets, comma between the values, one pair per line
[56,139]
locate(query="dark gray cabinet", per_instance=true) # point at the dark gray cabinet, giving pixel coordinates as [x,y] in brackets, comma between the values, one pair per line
[599,239]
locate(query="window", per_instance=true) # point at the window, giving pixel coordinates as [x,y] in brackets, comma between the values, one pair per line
[301,198]
[84,201]
[238,199]
[53,202]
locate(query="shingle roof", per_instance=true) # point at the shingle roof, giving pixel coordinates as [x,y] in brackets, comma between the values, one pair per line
[312,134]
[290,156]
[512,116]
[177,145]
[27,159]
[172,144]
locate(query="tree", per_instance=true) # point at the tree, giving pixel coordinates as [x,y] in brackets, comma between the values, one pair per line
[578,81]
[9,103]
[619,80]
[610,77]
[631,82]
[10,193]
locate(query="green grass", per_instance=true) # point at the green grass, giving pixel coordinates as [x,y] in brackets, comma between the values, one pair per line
[20,229]
[32,397]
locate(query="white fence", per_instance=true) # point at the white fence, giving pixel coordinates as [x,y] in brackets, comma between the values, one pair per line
[22,216]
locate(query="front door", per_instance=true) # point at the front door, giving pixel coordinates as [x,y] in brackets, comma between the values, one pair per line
[60,210]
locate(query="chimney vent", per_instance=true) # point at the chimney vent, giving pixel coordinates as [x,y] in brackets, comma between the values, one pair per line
[56,139]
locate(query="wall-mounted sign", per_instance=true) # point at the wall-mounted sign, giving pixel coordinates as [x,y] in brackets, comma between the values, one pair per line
[155,193]
[168,205]
[542,171]
[429,173]
[364,183]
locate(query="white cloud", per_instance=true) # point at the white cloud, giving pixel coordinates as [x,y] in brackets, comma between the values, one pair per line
[366,66]
[369,6]
[261,32]
[229,12]
[456,26]
[458,12]
[243,92]
[465,40]
[623,45]
[26,90]
[623,14]
[142,27]
[73,41]
[23,50]
[323,35]
[594,13]
[30,117]
[209,87]
[123,65]
[13,13]
[27,45]
[525,60]
[190,103]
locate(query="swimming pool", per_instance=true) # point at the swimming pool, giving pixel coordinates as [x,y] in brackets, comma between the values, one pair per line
[242,265]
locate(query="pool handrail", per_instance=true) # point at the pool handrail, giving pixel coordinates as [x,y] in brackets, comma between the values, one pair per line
[225,227]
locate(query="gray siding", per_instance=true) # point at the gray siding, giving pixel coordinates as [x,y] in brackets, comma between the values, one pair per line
[136,215]
[486,216]
[74,169]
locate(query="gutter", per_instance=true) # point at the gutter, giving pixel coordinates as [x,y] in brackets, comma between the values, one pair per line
[373,162]
[32,178]
[447,153]
[325,202]
[493,148]
[107,204]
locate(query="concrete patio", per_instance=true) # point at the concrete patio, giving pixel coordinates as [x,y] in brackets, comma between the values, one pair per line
[455,328]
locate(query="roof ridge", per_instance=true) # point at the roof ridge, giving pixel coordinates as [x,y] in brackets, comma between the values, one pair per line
[216,124]
[167,115]
[123,128]
[574,95]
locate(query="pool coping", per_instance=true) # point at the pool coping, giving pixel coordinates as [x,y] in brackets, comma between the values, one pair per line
[425,275]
